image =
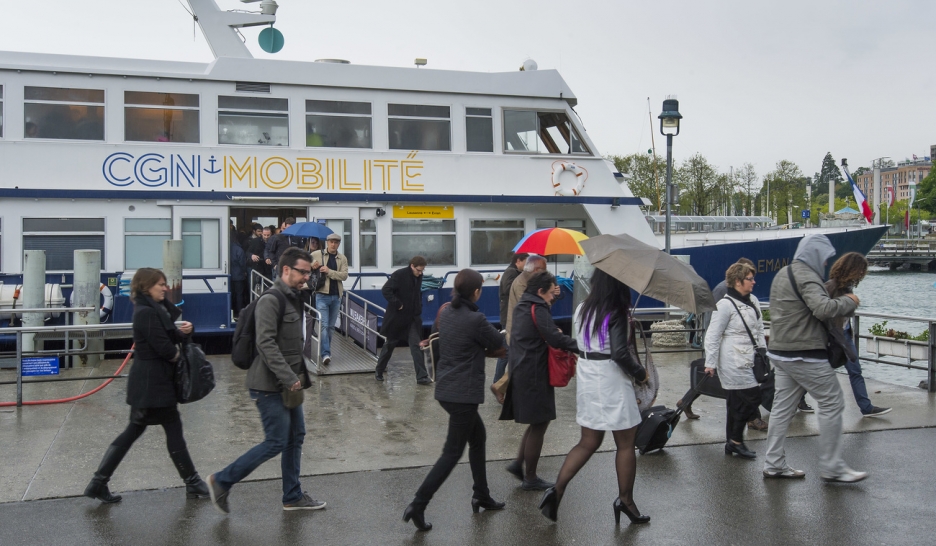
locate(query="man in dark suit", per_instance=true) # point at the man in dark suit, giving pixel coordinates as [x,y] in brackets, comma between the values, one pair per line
[279,243]
[403,321]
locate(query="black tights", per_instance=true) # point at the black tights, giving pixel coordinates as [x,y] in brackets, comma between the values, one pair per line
[625,462]
[531,445]
[175,442]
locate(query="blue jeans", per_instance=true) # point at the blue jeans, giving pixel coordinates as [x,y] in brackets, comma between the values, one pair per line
[328,306]
[854,376]
[501,366]
[284,431]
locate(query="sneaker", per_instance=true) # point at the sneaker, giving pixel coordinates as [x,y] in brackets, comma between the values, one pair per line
[804,407]
[326,361]
[789,473]
[539,484]
[876,412]
[219,497]
[757,424]
[378,376]
[849,476]
[305,503]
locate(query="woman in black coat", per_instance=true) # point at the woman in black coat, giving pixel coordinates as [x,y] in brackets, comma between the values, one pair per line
[464,336]
[151,386]
[530,398]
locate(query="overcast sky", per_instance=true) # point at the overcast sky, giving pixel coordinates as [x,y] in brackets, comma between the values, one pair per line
[757,81]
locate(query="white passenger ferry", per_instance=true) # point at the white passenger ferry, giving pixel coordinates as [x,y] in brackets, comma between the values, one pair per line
[120,155]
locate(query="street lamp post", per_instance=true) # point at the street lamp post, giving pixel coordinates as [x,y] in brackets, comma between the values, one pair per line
[669,126]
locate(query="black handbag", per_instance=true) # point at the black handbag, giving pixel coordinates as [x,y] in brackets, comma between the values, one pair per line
[317,278]
[194,376]
[835,347]
[761,367]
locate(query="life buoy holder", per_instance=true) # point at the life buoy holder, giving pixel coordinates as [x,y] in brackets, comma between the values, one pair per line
[581,175]
[107,303]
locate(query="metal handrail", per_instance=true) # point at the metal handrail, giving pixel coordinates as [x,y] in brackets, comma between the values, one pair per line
[45,310]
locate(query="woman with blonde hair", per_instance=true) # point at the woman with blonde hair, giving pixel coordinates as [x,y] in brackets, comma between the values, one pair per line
[729,348]
[845,275]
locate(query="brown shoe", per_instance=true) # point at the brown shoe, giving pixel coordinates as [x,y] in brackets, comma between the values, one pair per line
[757,424]
[687,411]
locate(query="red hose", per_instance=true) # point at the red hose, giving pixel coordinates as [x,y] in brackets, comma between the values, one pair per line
[77,397]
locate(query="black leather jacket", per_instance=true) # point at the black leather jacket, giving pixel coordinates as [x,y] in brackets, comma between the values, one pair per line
[618,332]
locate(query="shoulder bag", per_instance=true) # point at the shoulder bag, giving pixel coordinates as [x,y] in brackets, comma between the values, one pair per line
[561,362]
[317,279]
[835,348]
[761,367]
[645,392]
[194,376]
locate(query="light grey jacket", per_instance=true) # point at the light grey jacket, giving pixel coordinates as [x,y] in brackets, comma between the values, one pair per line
[338,275]
[279,362]
[794,326]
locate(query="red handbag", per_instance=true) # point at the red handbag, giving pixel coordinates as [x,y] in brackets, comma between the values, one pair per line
[561,363]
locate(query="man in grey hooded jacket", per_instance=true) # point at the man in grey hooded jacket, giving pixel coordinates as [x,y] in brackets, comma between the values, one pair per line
[798,353]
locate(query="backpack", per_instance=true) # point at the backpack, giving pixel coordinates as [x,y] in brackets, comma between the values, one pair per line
[244,344]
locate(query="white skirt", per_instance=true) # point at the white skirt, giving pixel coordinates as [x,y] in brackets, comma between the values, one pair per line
[604,396]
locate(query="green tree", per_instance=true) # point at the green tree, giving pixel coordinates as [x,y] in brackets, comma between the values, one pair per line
[787,191]
[698,182]
[748,186]
[646,176]
[829,170]
[926,191]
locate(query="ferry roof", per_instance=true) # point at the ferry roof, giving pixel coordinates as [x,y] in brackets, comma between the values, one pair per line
[536,83]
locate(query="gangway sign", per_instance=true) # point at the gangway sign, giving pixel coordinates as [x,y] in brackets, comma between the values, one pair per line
[40,365]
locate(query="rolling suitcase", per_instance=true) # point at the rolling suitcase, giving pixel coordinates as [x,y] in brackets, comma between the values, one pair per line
[711,386]
[658,422]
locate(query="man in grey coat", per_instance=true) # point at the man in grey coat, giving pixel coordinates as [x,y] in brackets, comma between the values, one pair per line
[275,380]
[798,353]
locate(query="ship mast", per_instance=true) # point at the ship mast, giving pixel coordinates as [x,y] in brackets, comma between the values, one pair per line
[220,27]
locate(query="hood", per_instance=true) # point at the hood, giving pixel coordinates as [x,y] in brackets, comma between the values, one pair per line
[814,251]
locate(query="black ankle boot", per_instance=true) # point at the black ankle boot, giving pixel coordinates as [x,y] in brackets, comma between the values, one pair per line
[487,503]
[418,517]
[195,488]
[98,489]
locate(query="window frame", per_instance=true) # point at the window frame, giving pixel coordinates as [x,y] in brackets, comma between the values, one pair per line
[238,111]
[102,105]
[345,236]
[71,233]
[202,246]
[537,112]
[369,117]
[479,116]
[136,106]
[472,229]
[367,232]
[1,110]
[403,117]
[128,233]
[453,234]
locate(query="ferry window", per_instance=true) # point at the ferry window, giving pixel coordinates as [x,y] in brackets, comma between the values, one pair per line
[368,230]
[419,127]
[338,124]
[432,239]
[479,130]
[528,131]
[143,241]
[343,228]
[492,241]
[256,121]
[201,243]
[160,117]
[60,237]
[1,111]
[63,113]
[574,225]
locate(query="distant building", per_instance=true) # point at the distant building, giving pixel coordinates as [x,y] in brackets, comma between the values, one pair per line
[906,172]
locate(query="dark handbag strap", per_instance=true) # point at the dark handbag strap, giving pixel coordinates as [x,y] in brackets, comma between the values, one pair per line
[533,313]
[750,335]
[789,271]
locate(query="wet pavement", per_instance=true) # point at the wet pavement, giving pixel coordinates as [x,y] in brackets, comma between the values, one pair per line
[369,444]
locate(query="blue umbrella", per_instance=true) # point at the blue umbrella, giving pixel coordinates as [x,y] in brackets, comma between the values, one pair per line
[308,229]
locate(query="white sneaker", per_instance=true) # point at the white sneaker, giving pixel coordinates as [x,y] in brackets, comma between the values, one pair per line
[326,361]
[849,476]
[790,473]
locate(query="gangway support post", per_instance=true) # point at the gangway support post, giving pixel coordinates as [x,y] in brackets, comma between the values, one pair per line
[34,271]
[172,269]
[87,293]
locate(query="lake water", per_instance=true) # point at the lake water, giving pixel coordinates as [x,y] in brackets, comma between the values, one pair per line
[904,293]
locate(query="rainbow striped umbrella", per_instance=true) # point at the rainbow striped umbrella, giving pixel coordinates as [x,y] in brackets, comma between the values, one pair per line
[549,241]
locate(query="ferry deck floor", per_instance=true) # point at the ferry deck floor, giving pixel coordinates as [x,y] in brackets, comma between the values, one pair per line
[369,445]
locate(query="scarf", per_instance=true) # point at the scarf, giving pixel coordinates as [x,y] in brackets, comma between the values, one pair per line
[744,299]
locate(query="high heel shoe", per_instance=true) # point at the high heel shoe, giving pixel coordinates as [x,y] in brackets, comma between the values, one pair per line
[418,517]
[621,507]
[549,506]
[740,450]
[487,504]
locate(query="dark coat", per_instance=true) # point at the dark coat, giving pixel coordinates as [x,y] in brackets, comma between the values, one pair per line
[257,246]
[509,276]
[464,335]
[238,263]
[618,330]
[278,244]
[403,292]
[531,397]
[151,384]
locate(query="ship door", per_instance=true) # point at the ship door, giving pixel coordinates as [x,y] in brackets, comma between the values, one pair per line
[204,231]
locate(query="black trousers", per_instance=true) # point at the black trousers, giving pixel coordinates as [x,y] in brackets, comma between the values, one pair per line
[413,337]
[465,427]
[742,407]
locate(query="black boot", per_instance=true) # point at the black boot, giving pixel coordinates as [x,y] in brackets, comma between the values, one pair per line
[98,489]
[195,488]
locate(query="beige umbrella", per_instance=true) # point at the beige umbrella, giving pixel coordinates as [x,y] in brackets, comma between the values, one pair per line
[650,271]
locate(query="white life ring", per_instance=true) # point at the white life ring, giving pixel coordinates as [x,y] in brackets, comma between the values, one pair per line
[581,175]
[107,305]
